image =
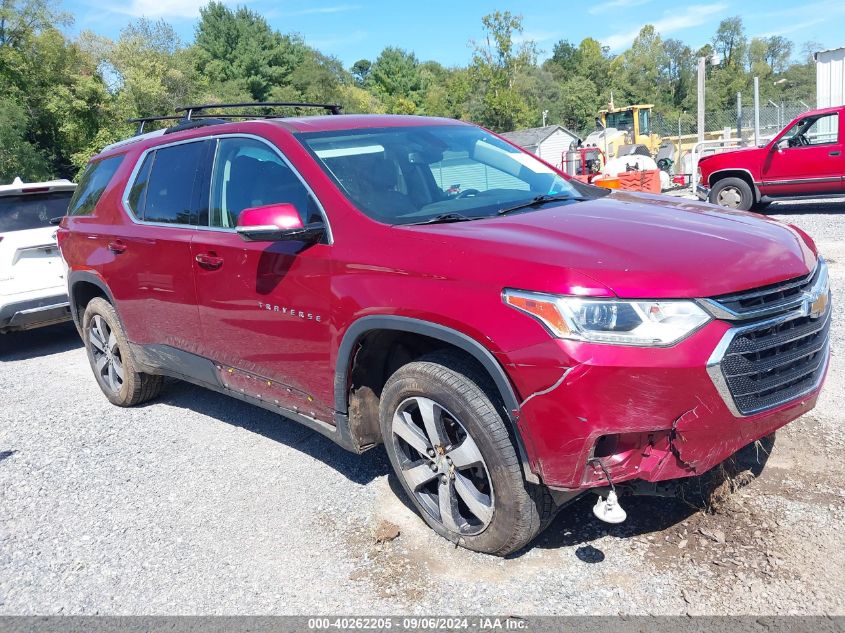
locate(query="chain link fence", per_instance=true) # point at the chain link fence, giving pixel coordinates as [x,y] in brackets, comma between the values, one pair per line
[724,123]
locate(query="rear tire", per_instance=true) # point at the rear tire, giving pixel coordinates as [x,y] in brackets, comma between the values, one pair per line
[732,193]
[111,358]
[451,451]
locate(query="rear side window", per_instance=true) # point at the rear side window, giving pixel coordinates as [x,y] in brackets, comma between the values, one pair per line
[92,185]
[32,211]
[165,188]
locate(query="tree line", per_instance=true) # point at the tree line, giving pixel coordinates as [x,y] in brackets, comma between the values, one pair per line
[65,98]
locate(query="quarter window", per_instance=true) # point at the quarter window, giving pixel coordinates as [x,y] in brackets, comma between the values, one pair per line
[247,173]
[166,187]
[92,185]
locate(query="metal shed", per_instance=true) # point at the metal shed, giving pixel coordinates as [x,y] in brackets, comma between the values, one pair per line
[830,78]
[549,143]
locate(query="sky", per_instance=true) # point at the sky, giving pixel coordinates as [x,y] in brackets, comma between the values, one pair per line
[440,30]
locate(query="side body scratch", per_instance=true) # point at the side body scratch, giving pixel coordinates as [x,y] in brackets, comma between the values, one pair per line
[556,384]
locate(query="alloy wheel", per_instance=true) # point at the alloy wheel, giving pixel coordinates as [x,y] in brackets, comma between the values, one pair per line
[442,466]
[108,361]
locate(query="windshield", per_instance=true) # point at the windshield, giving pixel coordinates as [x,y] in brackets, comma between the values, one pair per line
[32,211]
[407,175]
[621,120]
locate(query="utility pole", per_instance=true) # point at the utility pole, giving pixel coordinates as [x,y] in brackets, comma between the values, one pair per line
[545,114]
[739,117]
[702,63]
[756,112]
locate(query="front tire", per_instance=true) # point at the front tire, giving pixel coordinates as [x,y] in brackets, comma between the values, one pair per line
[732,193]
[111,358]
[451,451]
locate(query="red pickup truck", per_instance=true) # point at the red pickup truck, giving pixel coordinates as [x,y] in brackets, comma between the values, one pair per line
[804,159]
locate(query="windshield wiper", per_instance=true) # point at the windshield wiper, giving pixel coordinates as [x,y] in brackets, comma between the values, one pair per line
[445,217]
[536,201]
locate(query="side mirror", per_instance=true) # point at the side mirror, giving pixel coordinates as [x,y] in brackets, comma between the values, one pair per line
[275,222]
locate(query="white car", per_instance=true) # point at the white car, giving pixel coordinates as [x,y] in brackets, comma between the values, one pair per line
[33,288]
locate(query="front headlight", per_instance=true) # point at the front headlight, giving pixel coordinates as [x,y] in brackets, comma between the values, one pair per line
[641,323]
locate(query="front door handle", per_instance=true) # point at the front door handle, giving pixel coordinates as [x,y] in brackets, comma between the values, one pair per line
[835,152]
[209,261]
[117,247]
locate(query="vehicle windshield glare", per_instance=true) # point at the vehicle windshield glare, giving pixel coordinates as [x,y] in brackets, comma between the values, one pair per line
[412,174]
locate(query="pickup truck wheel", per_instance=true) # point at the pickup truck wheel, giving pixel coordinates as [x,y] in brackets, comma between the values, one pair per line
[732,193]
[452,453]
[111,359]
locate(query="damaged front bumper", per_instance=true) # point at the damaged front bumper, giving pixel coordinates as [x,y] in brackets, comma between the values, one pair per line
[632,413]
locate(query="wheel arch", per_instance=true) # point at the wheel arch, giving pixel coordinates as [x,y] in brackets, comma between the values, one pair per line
[735,172]
[447,337]
[82,287]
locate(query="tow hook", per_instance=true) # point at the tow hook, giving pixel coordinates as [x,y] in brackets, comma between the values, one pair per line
[608,510]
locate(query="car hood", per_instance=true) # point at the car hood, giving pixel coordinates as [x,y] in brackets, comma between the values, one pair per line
[638,246]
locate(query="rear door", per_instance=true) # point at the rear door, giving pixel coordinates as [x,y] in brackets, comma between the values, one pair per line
[147,262]
[29,256]
[807,159]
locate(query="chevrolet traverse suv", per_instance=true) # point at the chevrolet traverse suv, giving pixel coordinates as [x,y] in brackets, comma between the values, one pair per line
[512,337]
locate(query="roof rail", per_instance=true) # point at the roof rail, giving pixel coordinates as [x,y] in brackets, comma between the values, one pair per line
[190,111]
[141,121]
[194,112]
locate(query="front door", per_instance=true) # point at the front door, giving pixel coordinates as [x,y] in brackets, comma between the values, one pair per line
[264,306]
[807,159]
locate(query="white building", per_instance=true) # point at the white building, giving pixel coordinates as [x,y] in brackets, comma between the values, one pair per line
[830,78]
[549,143]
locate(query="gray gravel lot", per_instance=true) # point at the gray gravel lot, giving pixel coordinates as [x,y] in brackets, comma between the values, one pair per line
[197,503]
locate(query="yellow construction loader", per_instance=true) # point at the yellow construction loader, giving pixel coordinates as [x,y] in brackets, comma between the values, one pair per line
[627,127]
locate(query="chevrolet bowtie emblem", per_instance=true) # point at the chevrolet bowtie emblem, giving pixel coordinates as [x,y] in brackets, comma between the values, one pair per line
[818,305]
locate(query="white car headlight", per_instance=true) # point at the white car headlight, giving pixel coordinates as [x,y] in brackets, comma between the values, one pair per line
[640,323]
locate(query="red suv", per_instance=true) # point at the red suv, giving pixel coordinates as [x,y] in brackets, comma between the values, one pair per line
[512,345]
[804,160]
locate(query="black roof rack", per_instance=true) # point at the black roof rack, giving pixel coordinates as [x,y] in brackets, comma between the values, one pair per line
[190,111]
[141,121]
[195,113]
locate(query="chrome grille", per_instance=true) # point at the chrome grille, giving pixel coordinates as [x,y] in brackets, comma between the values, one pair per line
[776,359]
[766,300]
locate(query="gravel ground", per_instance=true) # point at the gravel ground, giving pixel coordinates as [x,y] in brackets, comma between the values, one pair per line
[198,504]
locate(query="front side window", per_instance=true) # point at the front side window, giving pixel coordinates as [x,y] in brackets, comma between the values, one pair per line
[165,187]
[32,211]
[92,185]
[248,173]
[821,130]
[407,175]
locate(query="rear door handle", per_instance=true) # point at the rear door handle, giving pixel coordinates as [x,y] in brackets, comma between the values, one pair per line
[835,152]
[117,247]
[209,261]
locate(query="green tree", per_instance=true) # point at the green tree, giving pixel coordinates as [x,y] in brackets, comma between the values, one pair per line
[238,51]
[18,156]
[565,61]
[53,92]
[361,70]
[496,63]
[395,79]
